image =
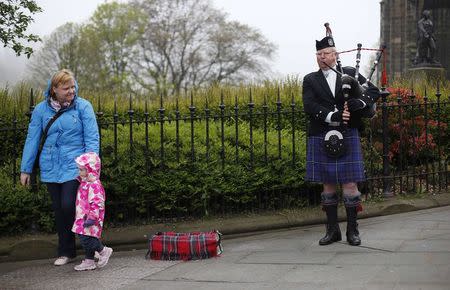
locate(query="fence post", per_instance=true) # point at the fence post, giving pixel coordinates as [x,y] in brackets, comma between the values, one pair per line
[99,119]
[222,130]
[236,128]
[192,117]
[293,129]
[251,106]
[447,159]
[265,109]
[207,116]
[130,114]
[177,130]
[413,134]
[116,120]
[438,99]
[425,99]
[161,128]
[14,147]
[400,149]
[278,127]
[147,149]
[386,172]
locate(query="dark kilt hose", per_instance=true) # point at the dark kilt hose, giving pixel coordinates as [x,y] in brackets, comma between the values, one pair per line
[324,169]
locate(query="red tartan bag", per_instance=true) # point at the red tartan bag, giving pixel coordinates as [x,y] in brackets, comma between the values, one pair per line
[184,246]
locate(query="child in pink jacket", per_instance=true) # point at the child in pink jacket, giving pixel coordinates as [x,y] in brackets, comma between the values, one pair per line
[90,212]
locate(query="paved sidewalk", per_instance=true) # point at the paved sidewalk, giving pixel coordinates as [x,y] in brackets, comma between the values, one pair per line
[43,246]
[400,251]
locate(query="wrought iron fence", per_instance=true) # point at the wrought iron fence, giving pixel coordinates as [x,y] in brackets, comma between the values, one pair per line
[406,146]
[415,144]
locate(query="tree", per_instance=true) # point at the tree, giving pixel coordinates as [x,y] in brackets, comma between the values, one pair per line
[236,51]
[14,20]
[108,42]
[188,43]
[156,46]
[97,51]
[60,50]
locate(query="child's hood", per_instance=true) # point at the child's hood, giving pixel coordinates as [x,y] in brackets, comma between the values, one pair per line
[91,162]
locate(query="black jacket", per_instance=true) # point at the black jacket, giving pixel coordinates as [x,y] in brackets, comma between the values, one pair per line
[318,100]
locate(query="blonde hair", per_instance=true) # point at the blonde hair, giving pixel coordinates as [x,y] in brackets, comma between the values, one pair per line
[60,78]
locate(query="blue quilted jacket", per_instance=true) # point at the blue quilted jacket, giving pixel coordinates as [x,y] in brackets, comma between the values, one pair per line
[75,132]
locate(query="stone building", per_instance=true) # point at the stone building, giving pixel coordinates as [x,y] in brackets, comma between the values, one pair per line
[398,32]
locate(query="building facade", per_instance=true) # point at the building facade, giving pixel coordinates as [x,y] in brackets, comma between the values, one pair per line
[398,32]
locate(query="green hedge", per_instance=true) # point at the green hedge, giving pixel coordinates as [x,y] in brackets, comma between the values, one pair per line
[140,188]
[200,186]
[23,211]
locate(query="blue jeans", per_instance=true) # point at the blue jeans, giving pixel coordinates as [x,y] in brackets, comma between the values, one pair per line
[63,203]
[90,245]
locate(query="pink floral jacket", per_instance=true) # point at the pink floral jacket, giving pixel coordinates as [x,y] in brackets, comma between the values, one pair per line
[90,203]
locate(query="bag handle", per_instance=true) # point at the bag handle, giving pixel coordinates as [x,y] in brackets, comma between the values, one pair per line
[44,137]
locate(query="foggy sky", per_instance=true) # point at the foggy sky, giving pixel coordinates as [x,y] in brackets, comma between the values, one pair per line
[293,25]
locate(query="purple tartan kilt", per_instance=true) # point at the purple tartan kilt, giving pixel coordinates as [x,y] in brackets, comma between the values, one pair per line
[345,169]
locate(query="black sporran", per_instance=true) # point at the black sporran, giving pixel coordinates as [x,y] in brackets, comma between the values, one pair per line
[334,144]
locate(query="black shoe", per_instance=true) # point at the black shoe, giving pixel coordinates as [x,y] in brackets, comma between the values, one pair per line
[332,235]
[353,237]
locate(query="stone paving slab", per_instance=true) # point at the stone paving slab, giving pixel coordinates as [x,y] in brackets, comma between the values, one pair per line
[390,259]
[426,246]
[222,272]
[414,274]
[287,257]
[329,274]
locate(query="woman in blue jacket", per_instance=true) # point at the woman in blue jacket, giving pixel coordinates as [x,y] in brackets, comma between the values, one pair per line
[72,134]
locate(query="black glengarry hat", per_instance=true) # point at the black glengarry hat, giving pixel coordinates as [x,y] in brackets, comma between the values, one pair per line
[324,43]
[327,41]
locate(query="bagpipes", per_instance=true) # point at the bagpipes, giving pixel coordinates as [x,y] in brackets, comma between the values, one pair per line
[366,92]
[350,84]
